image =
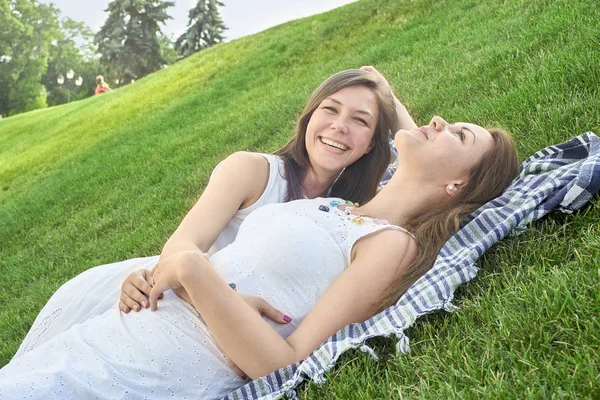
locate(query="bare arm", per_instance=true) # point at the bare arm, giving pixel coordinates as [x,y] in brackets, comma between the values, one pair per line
[253,344]
[405,121]
[238,183]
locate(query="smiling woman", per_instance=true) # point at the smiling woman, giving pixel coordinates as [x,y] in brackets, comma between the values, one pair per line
[352,112]
[343,135]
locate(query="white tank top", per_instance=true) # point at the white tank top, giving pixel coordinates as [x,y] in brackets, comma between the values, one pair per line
[275,192]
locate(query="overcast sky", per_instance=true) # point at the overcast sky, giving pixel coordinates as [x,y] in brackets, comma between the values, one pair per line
[242,17]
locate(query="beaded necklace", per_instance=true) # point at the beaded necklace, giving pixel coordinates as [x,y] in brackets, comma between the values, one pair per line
[349,206]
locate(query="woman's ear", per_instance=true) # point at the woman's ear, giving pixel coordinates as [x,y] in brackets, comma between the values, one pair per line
[371,145]
[454,188]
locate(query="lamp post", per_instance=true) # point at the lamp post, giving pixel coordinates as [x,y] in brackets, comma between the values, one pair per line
[60,79]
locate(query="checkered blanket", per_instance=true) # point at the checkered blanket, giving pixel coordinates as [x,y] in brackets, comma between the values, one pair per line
[561,177]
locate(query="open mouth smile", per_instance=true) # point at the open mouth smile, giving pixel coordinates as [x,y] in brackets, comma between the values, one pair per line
[333,144]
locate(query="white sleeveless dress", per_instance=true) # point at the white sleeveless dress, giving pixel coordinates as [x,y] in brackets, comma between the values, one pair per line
[287,253]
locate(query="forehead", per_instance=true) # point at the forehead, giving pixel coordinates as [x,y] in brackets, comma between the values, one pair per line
[360,97]
[476,129]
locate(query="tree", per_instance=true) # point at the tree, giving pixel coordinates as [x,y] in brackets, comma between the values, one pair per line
[27,29]
[128,41]
[65,54]
[205,28]
[167,49]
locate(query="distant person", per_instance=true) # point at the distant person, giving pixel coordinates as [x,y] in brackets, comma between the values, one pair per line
[101,86]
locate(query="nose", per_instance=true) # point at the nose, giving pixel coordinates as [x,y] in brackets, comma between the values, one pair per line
[339,124]
[438,123]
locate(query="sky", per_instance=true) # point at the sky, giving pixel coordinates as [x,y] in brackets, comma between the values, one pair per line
[242,17]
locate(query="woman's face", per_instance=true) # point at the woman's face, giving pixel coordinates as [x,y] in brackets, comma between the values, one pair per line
[340,130]
[443,152]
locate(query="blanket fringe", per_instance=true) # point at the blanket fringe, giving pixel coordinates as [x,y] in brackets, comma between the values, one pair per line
[449,306]
[366,349]
[402,347]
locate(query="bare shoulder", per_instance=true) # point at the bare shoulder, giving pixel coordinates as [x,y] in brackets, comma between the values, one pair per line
[250,170]
[390,247]
[247,161]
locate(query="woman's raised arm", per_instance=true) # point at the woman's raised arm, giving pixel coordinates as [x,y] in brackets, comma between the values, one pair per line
[405,121]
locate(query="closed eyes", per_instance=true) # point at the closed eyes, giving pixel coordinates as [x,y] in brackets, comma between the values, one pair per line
[461,135]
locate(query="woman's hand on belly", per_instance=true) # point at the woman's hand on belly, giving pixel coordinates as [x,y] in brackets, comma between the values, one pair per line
[265,310]
[134,290]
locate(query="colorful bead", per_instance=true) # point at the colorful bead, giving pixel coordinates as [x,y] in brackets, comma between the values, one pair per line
[334,203]
[349,203]
[233,286]
[324,208]
[356,205]
[381,221]
[358,221]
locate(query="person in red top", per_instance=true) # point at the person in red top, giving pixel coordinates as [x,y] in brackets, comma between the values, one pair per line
[101,86]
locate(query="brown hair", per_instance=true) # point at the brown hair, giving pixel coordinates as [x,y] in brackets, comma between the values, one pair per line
[358,182]
[487,180]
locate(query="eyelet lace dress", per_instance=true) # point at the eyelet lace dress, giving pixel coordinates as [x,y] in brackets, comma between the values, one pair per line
[289,254]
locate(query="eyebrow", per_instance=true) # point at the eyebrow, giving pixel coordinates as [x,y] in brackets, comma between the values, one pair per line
[465,128]
[358,111]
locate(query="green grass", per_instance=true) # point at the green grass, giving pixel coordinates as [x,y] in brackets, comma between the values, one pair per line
[109,178]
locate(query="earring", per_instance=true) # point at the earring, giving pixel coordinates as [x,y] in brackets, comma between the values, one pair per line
[451,188]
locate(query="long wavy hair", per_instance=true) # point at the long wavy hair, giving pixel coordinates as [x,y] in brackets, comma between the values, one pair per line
[357,182]
[487,180]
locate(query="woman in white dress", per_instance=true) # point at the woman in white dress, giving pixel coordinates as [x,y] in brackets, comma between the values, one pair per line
[356,105]
[325,261]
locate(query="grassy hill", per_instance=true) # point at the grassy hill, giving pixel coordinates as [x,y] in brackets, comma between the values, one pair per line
[109,178]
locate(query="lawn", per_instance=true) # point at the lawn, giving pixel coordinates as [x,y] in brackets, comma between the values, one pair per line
[108,178]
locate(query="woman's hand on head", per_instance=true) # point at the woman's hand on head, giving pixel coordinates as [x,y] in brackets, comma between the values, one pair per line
[405,121]
[134,291]
[379,78]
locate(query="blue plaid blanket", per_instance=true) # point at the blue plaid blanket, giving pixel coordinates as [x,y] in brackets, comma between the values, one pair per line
[562,177]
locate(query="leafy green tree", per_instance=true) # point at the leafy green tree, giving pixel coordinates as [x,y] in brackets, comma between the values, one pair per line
[205,28]
[128,41]
[167,49]
[72,50]
[27,29]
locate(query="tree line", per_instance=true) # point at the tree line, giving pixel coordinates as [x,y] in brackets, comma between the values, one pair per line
[46,60]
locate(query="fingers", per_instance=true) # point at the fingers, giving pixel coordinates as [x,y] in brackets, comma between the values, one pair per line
[367,68]
[143,282]
[133,303]
[272,313]
[155,294]
[124,307]
[377,74]
[132,296]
